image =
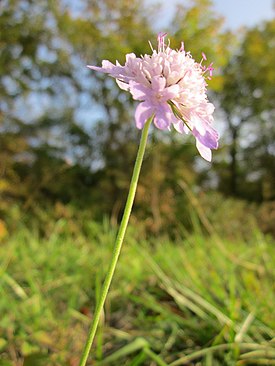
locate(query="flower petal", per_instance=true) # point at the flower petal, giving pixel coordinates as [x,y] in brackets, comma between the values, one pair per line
[122,85]
[209,138]
[170,93]
[198,123]
[179,126]
[138,91]
[97,68]
[107,67]
[158,83]
[204,151]
[161,122]
[164,117]
[143,112]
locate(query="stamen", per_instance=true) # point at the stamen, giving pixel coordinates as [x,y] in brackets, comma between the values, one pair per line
[161,44]
[150,44]
[208,69]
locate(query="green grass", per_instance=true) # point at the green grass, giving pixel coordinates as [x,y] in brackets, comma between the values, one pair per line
[195,301]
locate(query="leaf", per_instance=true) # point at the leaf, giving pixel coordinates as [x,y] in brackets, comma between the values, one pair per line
[35,359]
[5,363]
[136,345]
[3,343]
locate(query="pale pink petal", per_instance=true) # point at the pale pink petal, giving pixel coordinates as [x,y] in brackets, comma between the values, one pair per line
[122,85]
[164,117]
[179,126]
[97,68]
[204,151]
[143,112]
[107,67]
[158,83]
[138,91]
[210,108]
[171,92]
[130,56]
[161,122]
[197,122]
[208,138]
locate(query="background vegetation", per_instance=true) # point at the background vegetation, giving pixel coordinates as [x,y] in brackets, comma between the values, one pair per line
[68,142]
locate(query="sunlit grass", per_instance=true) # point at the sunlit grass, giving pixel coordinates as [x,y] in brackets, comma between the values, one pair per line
[182,302]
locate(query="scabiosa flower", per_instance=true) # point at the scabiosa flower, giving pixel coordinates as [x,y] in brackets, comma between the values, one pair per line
[171,86]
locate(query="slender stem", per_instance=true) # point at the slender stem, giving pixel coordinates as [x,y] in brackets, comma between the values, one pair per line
[118,243]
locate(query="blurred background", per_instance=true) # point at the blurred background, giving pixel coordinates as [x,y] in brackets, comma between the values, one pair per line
[68,139]
[67,146]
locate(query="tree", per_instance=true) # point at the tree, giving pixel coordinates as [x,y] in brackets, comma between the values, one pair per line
[45,47]
[248,103]
[36,85]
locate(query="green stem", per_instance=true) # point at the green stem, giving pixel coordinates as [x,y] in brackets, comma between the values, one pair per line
[118,243]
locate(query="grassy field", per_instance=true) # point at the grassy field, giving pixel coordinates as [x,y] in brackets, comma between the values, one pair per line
[198,300]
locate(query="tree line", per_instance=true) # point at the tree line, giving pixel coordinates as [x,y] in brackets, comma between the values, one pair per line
[67,135]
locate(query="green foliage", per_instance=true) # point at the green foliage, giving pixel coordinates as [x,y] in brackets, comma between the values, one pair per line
[192,300]
[51,156]
[201,29]
[200,298]
[248,104]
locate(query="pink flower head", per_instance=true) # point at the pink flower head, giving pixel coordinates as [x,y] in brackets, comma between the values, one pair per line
[171,86]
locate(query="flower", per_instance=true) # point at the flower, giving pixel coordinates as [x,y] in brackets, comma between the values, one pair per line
[171,86]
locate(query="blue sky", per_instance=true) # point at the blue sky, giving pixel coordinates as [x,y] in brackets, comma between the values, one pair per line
[237,13]
[244,12]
